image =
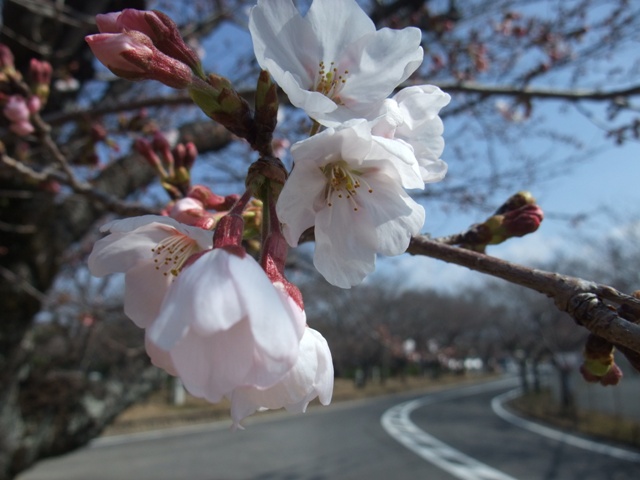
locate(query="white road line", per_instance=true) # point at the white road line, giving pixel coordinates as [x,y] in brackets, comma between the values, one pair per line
[497,404]
[397,423]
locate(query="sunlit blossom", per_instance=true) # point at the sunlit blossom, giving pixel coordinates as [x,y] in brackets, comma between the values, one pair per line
[332,63]
[349,184]
[412,116]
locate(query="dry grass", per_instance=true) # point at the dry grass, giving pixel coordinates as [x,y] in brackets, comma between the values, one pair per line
[156,412]
[543,407]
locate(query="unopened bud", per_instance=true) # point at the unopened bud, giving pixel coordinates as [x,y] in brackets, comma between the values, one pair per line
[133,56]
[522,221]
[516,201]
[143,147]
[599,365]
[40,77]
[7,60]
[162,31]
[185,155]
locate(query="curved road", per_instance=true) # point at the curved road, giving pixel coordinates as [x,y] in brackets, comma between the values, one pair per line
[347,441]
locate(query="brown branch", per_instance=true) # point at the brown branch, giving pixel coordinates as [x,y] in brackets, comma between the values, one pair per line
[547,93]
[581,299]
[109,202]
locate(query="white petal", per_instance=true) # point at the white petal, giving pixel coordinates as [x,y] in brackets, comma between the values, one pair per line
[203,294]
[296,204]
[345,244]
[283,41]
[145,288]
[118,252]
[129,224]
[335,31]
[396,216]
[160,358]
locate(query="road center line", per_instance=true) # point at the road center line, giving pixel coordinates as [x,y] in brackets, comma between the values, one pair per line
[397,423]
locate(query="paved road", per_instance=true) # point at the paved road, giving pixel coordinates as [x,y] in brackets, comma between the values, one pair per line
[344,441]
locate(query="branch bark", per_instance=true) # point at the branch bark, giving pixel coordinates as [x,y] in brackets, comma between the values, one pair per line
[581,299]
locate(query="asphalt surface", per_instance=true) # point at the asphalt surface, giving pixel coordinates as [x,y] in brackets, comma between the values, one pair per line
[344,441]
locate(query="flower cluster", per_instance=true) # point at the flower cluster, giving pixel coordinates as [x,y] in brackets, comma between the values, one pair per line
[20,100]
[228,325]
[213,316]
[349,180]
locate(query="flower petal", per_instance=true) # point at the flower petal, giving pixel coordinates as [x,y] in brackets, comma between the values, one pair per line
[345,249]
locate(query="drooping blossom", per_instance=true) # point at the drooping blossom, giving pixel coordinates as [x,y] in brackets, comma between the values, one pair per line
[310,377]
[151,251]
[332,63]
[349,185]
[412,116]
[225,325]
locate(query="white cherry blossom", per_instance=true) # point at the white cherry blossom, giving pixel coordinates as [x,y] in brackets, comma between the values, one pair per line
[349,184]
[310,377]
[332,63]
[412,116]
[225,325]
[151,251]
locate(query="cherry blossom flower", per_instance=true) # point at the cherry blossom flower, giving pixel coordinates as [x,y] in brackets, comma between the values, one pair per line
[412,116]
[332,63]
[151,250]
[225,325]
[310,377]
[349,185]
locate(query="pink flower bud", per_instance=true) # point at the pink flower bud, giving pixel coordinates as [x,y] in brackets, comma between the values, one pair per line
[40,72]
[523,220]
[16,109]
[162,31]
[22,128]
[34,104]
[133,56]
[6,58]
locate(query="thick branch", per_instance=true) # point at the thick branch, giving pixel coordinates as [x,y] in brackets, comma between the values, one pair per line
[579,298]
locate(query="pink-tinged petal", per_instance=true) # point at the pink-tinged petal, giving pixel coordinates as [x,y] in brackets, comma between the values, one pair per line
[160,358]
[274,328]
[110,47]
[203,296]
[345,249]
[311,376]
[191,357]
[296,204]
[107,22]
[145,288]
